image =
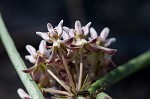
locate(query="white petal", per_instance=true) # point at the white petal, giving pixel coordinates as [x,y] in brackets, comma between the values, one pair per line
[31,50]
[42,47]
[47,54]
[66,29]
[22,94]
[50,27]
[109,41]
[30,58]
[108,50]
[43,35]
[59,28]
[86,28]
[65,35]
[71,33]
[93,33]
[78,26]
[89,38]
[104,33]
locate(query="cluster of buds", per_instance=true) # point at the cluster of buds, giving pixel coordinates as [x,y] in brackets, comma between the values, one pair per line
[69,60]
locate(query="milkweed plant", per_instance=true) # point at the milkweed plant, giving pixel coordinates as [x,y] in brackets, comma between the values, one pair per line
[69,60]
[70,63]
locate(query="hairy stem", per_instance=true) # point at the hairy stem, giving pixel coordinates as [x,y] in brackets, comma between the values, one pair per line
[18,63]
[121,72]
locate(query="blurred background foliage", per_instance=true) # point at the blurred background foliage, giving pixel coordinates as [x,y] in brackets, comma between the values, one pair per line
[128,20]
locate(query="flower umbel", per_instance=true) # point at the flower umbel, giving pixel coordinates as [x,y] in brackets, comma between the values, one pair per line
[71,59]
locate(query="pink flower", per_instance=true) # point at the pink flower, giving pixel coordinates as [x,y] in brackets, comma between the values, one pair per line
[74,58]
[53,34]
[103,35]
[22,94]
[34,55]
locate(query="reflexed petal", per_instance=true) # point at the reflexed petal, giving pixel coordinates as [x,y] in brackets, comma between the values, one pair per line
[73,48]
[108,50]
[93,33]
[30,58]
[42,48]
[52,56]
[100,48]
[109,41]
[92,48]
[40,60]
[56,63]
[67,41]
[43,35]
[59,28]
[73,45]
[29,70]
[104,33]
[38,75]
[92,41]
[31,50]
[22,94]
[86,28]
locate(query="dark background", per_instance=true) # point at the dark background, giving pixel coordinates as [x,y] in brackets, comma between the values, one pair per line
[128,20]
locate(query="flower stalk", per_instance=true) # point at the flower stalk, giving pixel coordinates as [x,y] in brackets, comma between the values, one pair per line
[57,92]
[68,71]
[58,80]
[81,69]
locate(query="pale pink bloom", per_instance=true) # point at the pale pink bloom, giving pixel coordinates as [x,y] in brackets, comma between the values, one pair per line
[67,33]
[53,33]
[43,52]
[103,36]
[82,30]
[22,94]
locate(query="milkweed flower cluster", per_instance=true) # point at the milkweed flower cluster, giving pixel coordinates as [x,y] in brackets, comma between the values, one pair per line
[70,59]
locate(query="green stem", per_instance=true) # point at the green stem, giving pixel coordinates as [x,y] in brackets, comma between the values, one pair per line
[121,72]
[18,63]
